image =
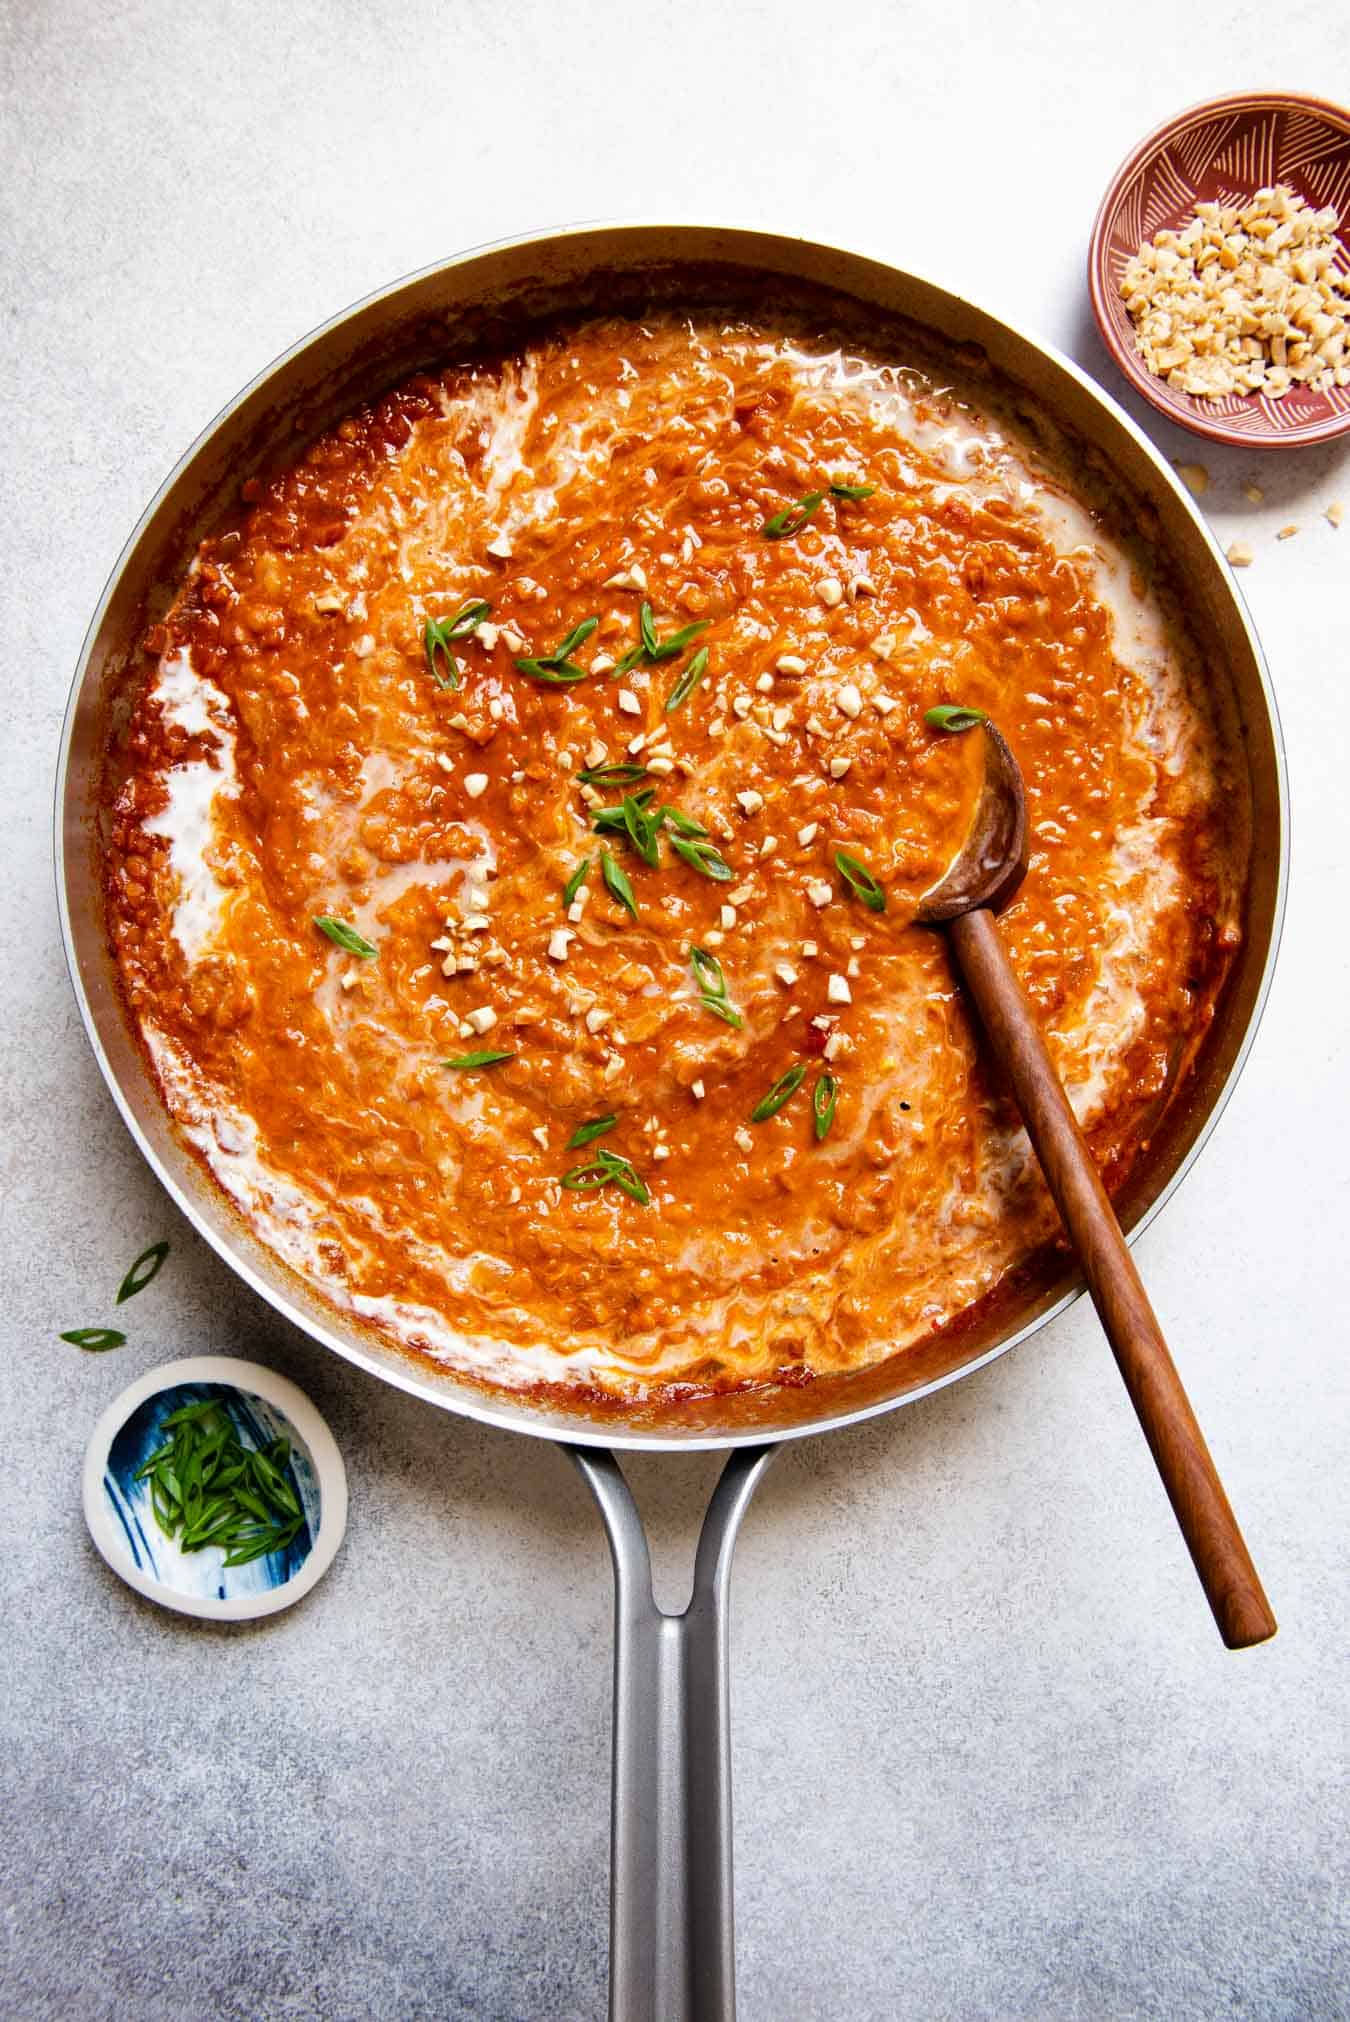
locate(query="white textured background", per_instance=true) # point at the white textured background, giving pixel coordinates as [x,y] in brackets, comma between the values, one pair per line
[991,1759]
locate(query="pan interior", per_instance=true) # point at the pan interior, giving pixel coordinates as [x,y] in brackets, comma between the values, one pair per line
[410,327]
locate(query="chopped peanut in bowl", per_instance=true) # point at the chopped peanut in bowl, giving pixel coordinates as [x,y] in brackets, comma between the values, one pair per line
[1248,299]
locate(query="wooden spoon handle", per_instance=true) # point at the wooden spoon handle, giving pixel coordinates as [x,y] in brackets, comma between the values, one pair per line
[1183,1460]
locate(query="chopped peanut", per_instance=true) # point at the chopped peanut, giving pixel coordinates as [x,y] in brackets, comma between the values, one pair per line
[1245,300]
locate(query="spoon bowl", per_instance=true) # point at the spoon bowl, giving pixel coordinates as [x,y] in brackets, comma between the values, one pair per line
[993,858]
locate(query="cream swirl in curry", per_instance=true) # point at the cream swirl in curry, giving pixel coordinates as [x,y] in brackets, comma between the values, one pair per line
[335,729]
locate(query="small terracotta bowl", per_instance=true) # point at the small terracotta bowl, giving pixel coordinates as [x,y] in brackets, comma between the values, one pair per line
[1223,151]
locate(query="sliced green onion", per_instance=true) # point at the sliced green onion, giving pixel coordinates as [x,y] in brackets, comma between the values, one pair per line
[209,1530]
[617,884]
[702,857]
[642,799]
[674,643]
[346,937]
[576,637]
[824,1101]
[683,824]
[259,1544]
[439,635]
[94,1340]
[607,1168]
[436,640]
[145,1268]
[785,1086]
[207,1488]
[575,882]
[708,973]
[642,830]
[951,716]
[792,519]
[485,1057]
[188,1415]
[558,667]
[860,881]
[611,820]
[688,681]
[853,491]
[273,1483]
[586,1132]
[712,987]
[469,617]
[553,673]
[652,647]
[612,775]
[624,1175]
[608,821]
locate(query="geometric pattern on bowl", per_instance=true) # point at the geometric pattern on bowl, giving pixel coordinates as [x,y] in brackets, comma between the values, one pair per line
[1222,152]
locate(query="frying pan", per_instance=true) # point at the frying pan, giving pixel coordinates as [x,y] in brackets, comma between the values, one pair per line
[671,1893]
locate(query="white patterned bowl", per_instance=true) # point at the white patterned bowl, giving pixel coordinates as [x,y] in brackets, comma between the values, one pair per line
[1222,152]
[122,1523]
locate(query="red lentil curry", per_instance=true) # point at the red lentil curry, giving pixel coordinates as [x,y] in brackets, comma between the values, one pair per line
[517,838]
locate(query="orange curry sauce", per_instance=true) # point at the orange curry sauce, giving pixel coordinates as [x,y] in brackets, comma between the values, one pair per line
[292,757]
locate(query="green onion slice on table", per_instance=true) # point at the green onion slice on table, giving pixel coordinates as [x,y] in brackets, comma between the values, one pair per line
[146,1268]
[94,1340]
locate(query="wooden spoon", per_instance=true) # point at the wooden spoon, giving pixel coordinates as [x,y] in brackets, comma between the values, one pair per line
[984,877]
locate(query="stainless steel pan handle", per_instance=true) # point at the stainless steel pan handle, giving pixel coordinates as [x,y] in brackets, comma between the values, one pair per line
[672,1936]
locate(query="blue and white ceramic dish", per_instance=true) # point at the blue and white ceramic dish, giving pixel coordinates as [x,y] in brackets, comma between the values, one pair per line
[262,1406]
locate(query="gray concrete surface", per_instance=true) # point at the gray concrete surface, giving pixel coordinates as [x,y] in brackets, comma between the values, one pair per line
[991,1760]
